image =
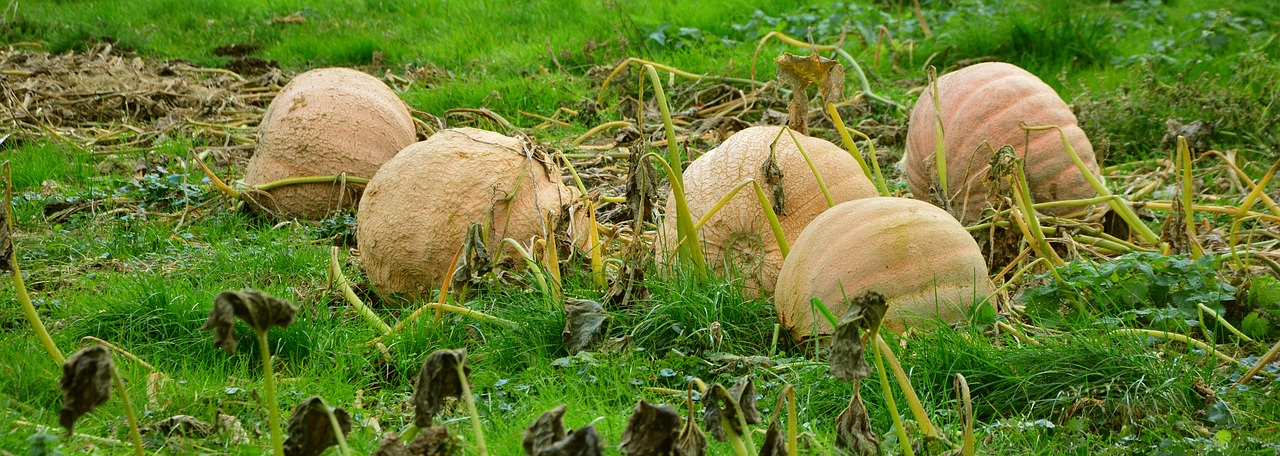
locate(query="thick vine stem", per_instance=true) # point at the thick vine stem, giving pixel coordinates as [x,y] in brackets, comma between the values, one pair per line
[19,287]
[1180,338]
[132,417]
[903,440]
[913,401]
[335,272]
[269,396]
[471,410]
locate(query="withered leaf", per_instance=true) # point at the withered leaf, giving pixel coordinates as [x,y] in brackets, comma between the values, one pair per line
[310,431]
[259,310]
[739,400]
[651,431]
[773,177]
[180,425]
[474,262]
[580,442]
[432,441]
[86,383]
[775,441]
[438,380]
[545,431]
[642,189]
[863,314]
[691,441]
[831,89]
[853,429]
[584,324]
[801,71]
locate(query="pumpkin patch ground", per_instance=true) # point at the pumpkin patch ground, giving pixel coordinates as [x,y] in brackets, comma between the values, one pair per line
[726,228]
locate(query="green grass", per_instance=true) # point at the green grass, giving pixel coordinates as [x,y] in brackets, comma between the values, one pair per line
[125,272]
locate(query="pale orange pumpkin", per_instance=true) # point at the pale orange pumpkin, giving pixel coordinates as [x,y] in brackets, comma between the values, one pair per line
[986,102]
[326,121]
[917,255]
[738,237]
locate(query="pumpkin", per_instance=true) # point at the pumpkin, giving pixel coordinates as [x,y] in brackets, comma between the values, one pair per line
[417,209]
[986,102]
[914,253]
[326,122]
[738,237]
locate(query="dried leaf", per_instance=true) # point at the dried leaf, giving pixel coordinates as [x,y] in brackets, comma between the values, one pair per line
[584,324]
[800,72]
[775,441]
[773,178]
[691,441]
[432,441]
[1174,229]
[231,429]
[86,383]
[642,189]
[864,314]
[438,380]
[310,431]
[719,402]
[831,89]
[259,310]
[545,431]
[853,429]
[581,442]
[180,425]
[650,431]
[474,262]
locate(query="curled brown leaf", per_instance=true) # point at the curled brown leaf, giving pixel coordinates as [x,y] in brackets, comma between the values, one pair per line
[309,428]
[775,441]
[580,442]
[86,383]
[691,441]
[432,441]
[729,404]
[584,324]
[853,429]
[545,431]
[438,380]
[651,431]
[257,309]
[864,314]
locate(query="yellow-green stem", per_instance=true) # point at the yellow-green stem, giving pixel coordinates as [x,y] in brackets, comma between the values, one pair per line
[681,73]
[968,446]
[1117,205]
[119,351]
[574,172]
[1023,198]
[1180,338]
[793,439]
[129,415]
[940,149]
[1188,206]
[875,162]
[1224,323]
[269,396]
[599,128]
[904,383]
[538,275]
[687,234]
[337,431]
[471,410]
[852,147]
[813,169]
[329,179]
[903,441]
[19,287]
[1253,195]
[217,181]
[597,256]
[343,284]
[1263,362]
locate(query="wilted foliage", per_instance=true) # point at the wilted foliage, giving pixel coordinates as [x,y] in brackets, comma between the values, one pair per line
[432,441]
[584,324]
[545,431]
[864,314]
[259,310]
[853,429]
[651,431]
[740,400]
[86,383]
[438,380]
[309,428]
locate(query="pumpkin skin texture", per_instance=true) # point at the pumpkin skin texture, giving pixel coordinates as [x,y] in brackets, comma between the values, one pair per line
[415,212]
[914,253]
[326,122]
[738,237]
[986,102]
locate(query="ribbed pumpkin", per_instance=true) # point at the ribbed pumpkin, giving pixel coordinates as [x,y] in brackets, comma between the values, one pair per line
[986,102]
[915,254]
[738,237]
[416,210]
[326,122]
